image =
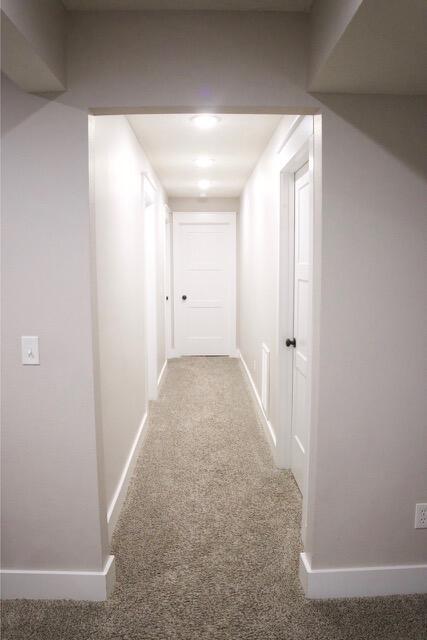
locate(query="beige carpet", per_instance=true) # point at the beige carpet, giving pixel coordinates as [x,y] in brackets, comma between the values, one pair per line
[208,541]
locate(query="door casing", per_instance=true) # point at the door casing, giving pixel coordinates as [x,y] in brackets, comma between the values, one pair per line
[306,147]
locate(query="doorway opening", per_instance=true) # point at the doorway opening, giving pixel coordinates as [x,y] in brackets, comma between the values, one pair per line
[207,235]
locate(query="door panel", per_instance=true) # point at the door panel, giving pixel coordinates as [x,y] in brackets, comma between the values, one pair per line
[302,329]
[204,271]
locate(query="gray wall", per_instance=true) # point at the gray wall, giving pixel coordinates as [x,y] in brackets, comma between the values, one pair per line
[372,421]
[371,429]
[33,43]
[52,498]
[371,462]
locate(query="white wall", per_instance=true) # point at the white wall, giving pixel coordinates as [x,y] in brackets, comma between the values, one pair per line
[258,242]
[119,231]
[204,204]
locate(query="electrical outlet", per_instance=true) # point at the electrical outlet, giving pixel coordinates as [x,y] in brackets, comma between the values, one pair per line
[421,515]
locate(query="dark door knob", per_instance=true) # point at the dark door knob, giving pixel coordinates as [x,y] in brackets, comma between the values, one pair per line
[291,343]
[184,297]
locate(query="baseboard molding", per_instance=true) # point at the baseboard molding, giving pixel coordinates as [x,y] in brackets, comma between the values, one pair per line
[271,436]
[162,375]
[121,490]
[362,581]
[58,585]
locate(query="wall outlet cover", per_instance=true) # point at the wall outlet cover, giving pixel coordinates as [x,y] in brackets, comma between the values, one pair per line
[421,515]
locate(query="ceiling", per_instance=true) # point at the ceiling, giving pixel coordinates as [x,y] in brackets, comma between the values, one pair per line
[172,143]
[188,5]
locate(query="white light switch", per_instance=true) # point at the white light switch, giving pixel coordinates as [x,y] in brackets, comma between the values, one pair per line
[30,349]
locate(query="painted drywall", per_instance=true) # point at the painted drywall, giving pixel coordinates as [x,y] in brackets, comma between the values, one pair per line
[33,44]
[161,214]
[369,421]
[371,440]
[120,49]
[356,47]
[52,496]
[119,163]
[204,204]
[373,284]
[258,256]
[328,21]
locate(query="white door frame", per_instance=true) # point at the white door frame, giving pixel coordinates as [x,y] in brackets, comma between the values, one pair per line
[150,199]
[305,146]
[168,262]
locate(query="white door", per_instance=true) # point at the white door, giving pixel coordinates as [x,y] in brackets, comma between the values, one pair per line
[303,230]
[204,259]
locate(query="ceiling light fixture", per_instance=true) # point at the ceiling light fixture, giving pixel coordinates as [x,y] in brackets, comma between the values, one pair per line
[205,120]
[203,161]
[204,184]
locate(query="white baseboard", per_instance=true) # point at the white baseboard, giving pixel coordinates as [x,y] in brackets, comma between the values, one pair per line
[58,585]
[121,490]
[162,374]
[362,581]
[271,436]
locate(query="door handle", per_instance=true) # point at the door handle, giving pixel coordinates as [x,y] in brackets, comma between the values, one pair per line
[184,297]
[291,343]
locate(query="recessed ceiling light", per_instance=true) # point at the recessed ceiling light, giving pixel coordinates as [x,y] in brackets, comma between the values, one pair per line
[203,162]
[204,184]
[205,120]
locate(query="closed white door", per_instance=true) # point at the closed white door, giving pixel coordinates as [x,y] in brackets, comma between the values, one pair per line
[204,260]
[303,229]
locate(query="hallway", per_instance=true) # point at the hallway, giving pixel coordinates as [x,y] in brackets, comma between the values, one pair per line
[208,540]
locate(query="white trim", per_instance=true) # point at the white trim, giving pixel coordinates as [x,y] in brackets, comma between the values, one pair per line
[355,582]
[297,150]
[294,126]
[265,378]
[161,375]
[121,490]
[271,436]
[59,585]
[301,146]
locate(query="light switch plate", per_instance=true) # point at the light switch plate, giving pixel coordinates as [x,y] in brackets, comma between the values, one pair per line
[30,350]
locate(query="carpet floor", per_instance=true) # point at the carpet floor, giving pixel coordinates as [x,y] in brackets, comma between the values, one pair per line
[208,540]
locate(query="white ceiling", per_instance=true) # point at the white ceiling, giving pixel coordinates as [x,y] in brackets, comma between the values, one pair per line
[172,143]
[188,5]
